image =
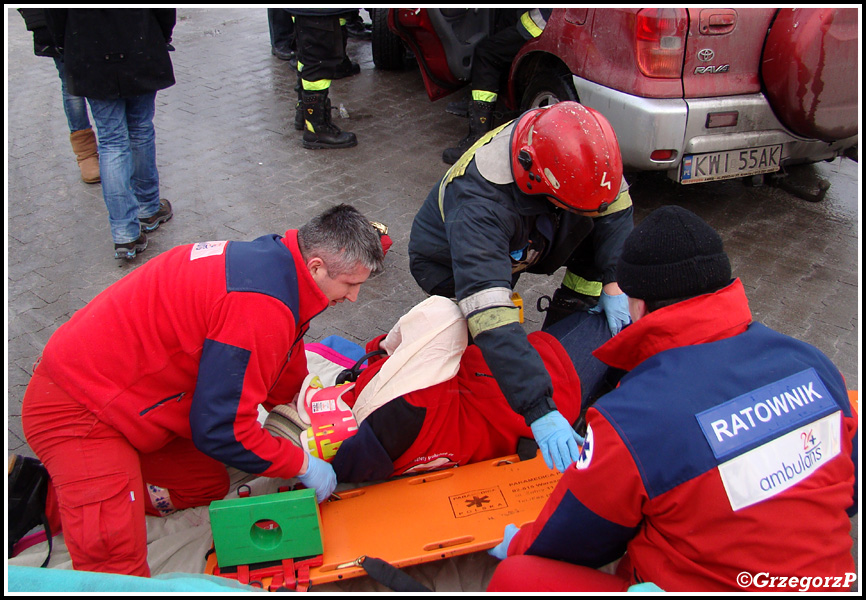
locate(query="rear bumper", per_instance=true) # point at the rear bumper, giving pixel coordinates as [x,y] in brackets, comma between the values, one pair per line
[644,125]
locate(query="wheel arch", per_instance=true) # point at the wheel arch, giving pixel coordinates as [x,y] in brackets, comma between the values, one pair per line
[531,66]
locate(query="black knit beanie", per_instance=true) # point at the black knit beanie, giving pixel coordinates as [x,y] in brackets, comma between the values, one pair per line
[671,254]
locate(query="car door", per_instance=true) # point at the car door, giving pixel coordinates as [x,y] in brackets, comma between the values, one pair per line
[443,41]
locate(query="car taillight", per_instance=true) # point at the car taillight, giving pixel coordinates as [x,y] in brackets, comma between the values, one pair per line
[661,41]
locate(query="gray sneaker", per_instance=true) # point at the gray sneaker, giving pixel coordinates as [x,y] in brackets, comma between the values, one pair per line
[153,222]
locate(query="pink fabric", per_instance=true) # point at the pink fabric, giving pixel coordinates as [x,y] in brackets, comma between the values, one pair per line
[329,354]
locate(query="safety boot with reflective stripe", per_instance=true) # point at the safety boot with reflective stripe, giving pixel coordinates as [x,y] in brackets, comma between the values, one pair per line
[320,132]
[480,122]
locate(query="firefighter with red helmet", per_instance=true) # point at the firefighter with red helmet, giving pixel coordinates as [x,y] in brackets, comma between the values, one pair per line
[541,192]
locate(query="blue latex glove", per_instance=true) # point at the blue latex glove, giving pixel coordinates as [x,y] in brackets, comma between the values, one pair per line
[557,440]
[320,476]
[500,550]
[615,309]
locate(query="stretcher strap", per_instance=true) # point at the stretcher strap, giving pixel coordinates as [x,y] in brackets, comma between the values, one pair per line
[392,577]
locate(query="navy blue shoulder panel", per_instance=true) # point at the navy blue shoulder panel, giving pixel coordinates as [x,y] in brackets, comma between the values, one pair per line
[654,409]
[265,266]
[215,407]
[575,534]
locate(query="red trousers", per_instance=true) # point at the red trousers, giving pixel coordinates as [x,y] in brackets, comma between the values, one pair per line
[102,487]
[524,573]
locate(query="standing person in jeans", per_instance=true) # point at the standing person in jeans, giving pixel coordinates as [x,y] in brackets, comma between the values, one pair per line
[81,134]
[118,59]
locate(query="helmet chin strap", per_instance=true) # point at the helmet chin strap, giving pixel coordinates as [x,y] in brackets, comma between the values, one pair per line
[602,208]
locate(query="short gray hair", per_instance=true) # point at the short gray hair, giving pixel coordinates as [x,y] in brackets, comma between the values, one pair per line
[342,237]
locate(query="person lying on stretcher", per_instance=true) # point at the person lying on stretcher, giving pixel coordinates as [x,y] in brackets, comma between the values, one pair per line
[428,401]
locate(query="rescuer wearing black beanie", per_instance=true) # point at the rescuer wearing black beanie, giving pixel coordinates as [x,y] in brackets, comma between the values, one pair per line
[672,254]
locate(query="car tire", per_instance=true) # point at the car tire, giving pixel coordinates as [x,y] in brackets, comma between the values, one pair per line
[389,54]
[546,88]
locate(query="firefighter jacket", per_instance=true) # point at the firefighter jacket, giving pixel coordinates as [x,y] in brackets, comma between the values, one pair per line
[727,448]
[478,230]
[190,343]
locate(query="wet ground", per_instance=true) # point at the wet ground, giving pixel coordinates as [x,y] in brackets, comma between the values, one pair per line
[233,166]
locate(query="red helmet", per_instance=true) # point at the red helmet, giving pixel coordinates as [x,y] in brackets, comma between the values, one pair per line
[569,153]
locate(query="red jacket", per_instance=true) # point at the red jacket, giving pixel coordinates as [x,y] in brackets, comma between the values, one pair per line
[728,448]
[463,420]
[190,343]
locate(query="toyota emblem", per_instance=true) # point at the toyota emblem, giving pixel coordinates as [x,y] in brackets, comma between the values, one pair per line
[706,55]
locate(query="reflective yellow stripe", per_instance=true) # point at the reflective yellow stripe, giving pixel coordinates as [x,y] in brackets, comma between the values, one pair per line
[581,285]
[489,298]
[482,96]
[493,318]
[343,22]
[300,66]
[459,168]
[622,202]
[530,25]
[316,86]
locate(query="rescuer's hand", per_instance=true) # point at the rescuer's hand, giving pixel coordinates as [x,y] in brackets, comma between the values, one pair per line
[320,476]
[615,307]
[500,550]
[557,440]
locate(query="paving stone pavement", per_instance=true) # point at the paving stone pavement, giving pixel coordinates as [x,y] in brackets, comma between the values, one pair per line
[233,166]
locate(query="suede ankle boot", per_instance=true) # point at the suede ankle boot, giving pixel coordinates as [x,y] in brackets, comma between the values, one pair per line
[85,148]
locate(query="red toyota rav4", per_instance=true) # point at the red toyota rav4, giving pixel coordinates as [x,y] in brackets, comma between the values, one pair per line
[700,93]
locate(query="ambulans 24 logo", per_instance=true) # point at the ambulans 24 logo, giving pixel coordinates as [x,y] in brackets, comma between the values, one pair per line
[586,450]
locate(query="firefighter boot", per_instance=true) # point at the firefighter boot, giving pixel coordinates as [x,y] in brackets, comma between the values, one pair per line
[564,302]
[85,148]
[320,132]
[480,122]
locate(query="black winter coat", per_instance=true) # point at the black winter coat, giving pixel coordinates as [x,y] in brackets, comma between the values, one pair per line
[114,53]
[43,43]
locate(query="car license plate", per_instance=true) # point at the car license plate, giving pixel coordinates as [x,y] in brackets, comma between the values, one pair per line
[733,163]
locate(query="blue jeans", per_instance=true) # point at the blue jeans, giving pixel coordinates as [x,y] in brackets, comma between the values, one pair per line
[127,162]
[580,333]
[75,107]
